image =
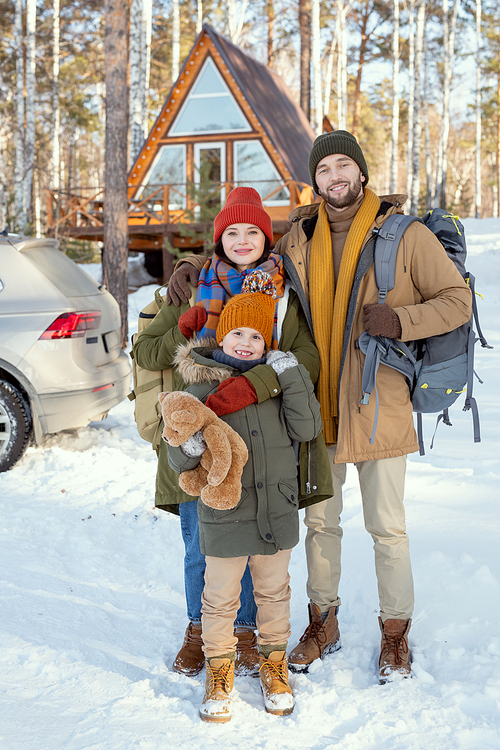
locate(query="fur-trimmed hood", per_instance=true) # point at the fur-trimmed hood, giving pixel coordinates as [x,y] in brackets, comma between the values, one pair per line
[195,365]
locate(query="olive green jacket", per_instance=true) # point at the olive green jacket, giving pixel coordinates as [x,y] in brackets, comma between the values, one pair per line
[155,349]
[266,518]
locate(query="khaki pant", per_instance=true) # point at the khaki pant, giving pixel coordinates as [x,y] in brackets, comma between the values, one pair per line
[382,489]
[221,600]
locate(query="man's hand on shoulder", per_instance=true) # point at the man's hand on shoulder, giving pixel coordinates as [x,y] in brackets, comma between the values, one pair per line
[381,320]
[178,290]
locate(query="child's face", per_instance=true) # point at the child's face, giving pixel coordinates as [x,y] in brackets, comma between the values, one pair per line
[244,343]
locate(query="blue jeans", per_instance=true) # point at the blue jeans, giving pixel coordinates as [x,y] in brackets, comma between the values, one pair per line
[194,571]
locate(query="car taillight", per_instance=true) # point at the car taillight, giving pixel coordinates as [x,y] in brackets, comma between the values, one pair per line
[72,325]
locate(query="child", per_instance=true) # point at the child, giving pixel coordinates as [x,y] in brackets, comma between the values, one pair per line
[263,528]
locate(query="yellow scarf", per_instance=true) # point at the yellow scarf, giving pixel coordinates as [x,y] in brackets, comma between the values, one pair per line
[329,305]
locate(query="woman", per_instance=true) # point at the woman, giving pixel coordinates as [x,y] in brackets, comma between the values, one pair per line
[243,236]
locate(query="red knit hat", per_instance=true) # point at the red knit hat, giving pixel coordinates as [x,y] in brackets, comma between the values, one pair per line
[243,206]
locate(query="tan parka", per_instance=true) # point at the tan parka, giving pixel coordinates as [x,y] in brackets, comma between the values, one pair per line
[430,298]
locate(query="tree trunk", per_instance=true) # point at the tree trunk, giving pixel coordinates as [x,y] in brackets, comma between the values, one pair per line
[305,56]
[427,132]
[477,196]
[395,99]
[341,65]
[361,61]
[329,74]
[411,98]
[498,137]
[19,207]
[147,22]
[199,16]
[417,127]
[270,32]
[29,144]
[115,272]
[56,111]
[176,41]
[135,109]
[448,54]
[3,172]
[316,65]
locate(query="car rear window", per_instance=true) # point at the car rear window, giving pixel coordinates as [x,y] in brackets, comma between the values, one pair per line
[61,271]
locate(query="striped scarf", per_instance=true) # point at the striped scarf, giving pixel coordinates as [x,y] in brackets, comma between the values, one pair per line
[329,305]
[219,281]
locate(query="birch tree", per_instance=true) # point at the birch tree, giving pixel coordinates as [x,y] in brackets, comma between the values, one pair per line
[115,270]
[139,66]
[429,191]
[271,18]
[199,16]
[417,126]
[395,98]
[29,145]
[56,111]
[477,192]
[411,97]
[316,65]
[448,53]
[329,73]
[176,40]
[305,56]
[19,205]
[341,13]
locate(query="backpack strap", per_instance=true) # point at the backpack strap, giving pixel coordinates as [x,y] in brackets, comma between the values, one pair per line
[386,250]
[471,281]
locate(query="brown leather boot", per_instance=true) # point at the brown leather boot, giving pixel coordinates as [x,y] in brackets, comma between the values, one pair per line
[216,704]
[247,656]
[278,696]
[395,656]
[319,639]
[190,660]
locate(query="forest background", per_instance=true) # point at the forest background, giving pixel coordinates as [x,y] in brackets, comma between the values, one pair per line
[417,82]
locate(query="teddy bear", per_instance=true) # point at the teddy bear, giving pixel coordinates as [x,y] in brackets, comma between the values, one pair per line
[217,478]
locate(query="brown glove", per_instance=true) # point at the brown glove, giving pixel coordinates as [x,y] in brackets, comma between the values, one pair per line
[381,320]
[178,290]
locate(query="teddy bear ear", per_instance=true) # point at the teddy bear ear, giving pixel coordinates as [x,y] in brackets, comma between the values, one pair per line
[162,397]
[183,416]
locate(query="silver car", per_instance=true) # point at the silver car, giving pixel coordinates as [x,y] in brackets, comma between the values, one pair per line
[61,365]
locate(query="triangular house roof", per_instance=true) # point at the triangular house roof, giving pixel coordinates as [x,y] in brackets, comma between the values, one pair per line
[262,95]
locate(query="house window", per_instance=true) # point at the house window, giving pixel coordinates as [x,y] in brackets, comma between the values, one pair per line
[254,168]
[210,107]
[168,168]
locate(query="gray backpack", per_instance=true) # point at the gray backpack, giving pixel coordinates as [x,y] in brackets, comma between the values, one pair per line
[439,368]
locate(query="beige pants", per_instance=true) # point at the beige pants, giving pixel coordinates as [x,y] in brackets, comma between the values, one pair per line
[220,600]
[382,489]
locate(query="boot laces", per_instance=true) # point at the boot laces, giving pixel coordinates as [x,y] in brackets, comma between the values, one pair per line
[316,631]
[398,645]
[191,637]
[276,670]
[219,678]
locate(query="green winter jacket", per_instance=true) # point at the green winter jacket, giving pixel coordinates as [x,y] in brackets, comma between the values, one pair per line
[266,517]
[155,349]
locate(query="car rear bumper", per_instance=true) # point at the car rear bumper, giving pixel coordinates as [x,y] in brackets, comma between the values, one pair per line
[67,410]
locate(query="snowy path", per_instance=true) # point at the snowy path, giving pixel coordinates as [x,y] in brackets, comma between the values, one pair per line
[92,605]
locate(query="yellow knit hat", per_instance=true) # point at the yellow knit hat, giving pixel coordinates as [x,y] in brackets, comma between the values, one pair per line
[253,308]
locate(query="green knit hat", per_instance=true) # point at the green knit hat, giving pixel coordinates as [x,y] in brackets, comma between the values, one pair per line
[336,142]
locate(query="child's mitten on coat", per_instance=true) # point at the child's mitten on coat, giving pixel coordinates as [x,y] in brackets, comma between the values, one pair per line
[195,445]
[281,361]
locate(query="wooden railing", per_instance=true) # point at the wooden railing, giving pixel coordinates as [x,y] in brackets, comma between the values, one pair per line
[166,204]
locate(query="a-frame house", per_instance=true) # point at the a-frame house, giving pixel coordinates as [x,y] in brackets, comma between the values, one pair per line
[229,119]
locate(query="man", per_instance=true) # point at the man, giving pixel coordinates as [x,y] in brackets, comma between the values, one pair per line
[328,257]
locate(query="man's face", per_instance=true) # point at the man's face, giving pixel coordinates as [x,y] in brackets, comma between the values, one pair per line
[339,181]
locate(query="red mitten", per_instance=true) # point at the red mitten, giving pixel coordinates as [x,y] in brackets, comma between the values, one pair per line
[232,395]
[192,320]
[381,320]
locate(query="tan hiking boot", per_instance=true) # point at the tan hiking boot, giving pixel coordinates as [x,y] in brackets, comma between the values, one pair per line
[190,660]
[278,696]
[319,639]
[247,657]
[216,704]
[395,656]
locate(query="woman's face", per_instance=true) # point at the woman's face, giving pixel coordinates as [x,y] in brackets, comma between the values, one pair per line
[243,245]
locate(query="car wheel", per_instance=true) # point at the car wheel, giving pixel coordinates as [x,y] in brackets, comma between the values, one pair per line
[15,425]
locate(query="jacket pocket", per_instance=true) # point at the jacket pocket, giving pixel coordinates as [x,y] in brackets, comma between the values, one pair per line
[291,493]
[212,515]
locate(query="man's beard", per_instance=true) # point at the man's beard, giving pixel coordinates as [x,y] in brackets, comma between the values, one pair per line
[345,200]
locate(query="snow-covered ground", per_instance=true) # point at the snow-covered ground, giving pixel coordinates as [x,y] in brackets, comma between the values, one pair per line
[92,605]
